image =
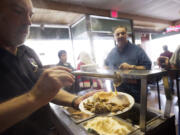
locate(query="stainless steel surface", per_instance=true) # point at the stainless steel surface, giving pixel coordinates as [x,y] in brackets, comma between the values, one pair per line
[66,122]
[115,74]
[94,74]
[143,109]
[144,76]
[168,97]
[154,121]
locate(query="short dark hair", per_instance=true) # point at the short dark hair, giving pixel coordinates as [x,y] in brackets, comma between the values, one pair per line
[165,47]
[61,52]
[119,26]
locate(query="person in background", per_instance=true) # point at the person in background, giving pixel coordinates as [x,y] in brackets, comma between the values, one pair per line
[85,59]
[126,55]
[172,63]
[62,54]
[168,54]
[26,88]
[87,64]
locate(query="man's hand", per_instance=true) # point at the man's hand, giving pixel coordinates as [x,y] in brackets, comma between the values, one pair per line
[50,82]
[126,66]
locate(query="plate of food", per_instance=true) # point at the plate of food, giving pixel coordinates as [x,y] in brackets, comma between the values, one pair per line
[110,103]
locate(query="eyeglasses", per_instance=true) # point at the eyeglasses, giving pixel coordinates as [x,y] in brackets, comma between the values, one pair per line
[122,33]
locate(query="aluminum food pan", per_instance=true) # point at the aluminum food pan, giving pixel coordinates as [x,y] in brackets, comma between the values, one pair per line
[133,128]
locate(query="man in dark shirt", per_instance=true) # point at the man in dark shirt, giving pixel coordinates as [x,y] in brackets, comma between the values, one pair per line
[127,56]
[26,89]
[62,54]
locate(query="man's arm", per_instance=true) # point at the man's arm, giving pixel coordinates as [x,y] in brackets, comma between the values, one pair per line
[64,98]
[67,99]
[133,67]
[46,88]
[138,67]
[17,109]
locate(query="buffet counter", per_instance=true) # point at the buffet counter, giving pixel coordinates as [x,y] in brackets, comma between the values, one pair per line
[141,119]
[156,124]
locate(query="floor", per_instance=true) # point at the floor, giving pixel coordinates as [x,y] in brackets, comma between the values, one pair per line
[153,99]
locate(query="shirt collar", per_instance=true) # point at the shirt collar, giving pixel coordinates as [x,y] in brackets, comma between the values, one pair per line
[125,48]
[5,53]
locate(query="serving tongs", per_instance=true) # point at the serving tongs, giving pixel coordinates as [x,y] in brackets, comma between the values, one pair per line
[116,76]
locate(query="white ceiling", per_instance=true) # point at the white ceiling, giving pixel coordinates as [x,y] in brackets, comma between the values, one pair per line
[45,16]
[162,9]
[153,15]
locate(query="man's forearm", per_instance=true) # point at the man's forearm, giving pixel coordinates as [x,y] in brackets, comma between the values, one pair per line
[64,98]
[138,67]
[17,109]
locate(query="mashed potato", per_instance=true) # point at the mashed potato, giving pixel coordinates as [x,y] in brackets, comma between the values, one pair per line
[108,126]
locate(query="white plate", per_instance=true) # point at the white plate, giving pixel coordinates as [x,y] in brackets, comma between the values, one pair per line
[130,98]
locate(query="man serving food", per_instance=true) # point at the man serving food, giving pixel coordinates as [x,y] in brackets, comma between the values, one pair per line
[26,89]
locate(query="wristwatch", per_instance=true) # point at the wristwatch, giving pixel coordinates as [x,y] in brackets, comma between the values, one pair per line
[73,102]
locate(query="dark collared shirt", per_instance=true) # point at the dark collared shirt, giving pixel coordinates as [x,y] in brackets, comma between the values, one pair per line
[131,54]
[68,65]
[18,74]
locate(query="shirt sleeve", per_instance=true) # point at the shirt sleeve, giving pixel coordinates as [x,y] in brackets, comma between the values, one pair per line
[71,67]
[33,54]
[143,59]
[175,59]
[108,59]
[106,62]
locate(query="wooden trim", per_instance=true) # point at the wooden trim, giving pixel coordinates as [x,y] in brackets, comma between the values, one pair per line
[176,22]
[46,4]
[144,18]
[147,30]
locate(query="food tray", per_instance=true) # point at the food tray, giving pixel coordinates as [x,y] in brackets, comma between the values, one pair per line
[76,115]
[132,128]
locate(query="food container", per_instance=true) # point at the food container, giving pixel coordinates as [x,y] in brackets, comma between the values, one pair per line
[76,115]
[104,125]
